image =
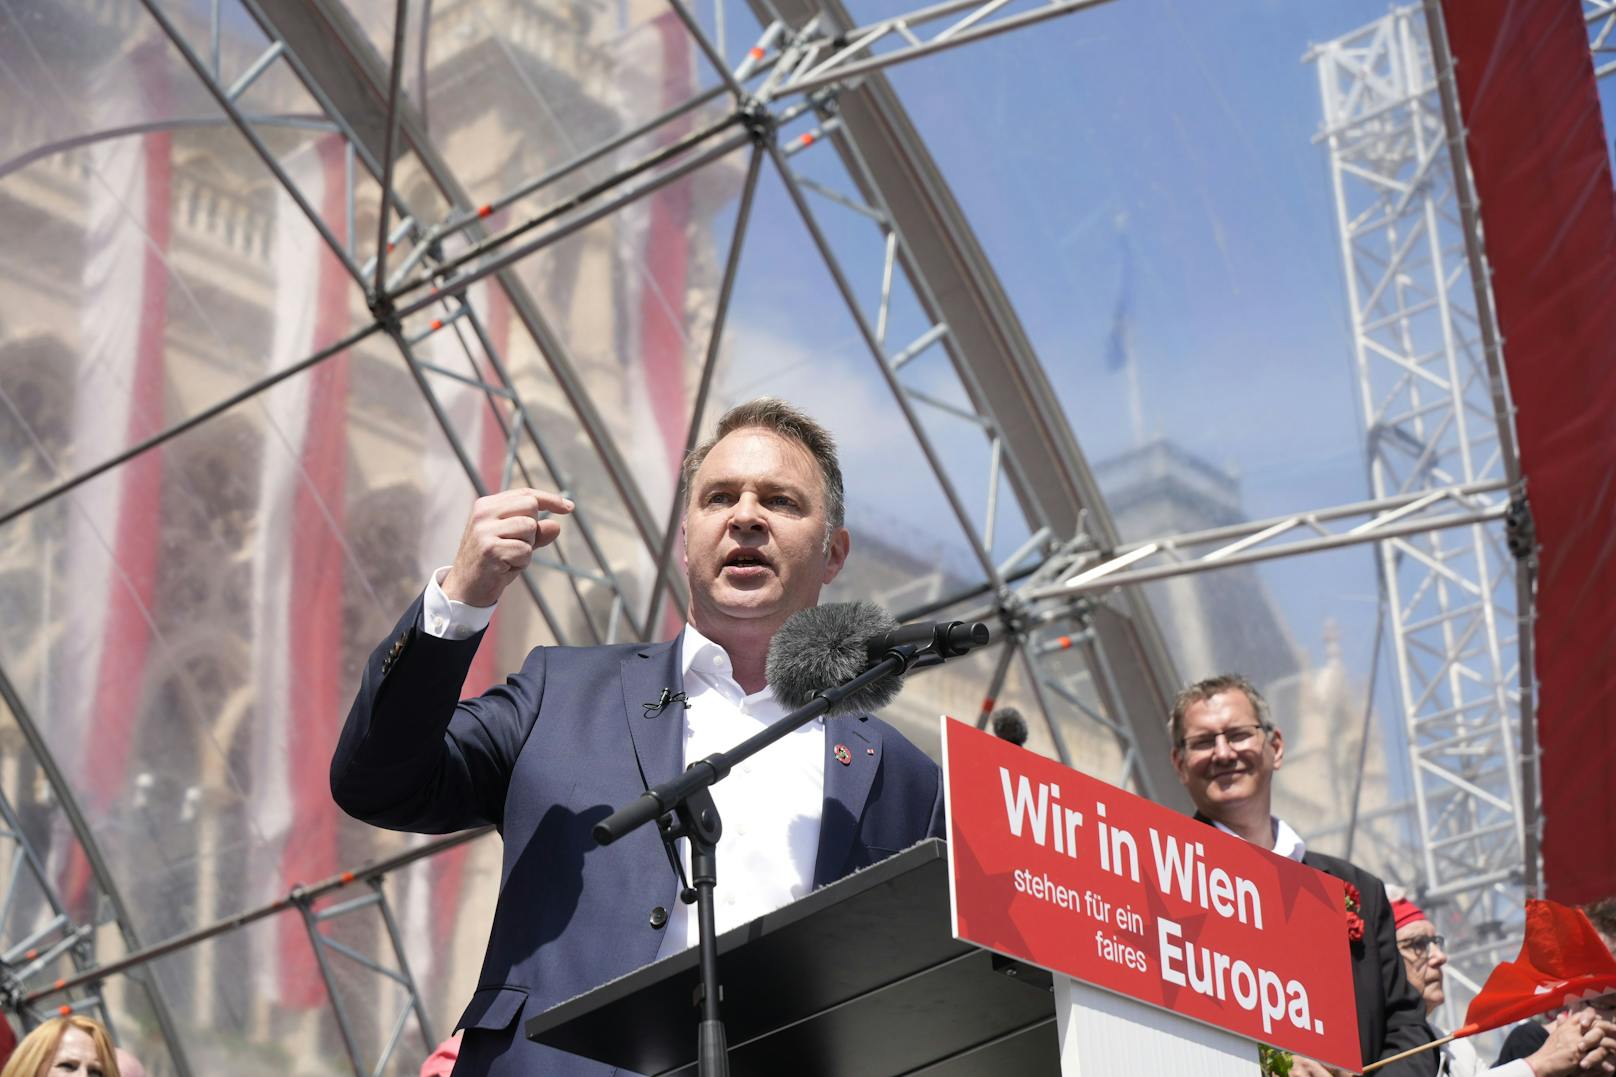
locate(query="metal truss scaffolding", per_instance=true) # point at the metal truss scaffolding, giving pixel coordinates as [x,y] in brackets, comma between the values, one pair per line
[1600,15]
[53,930]
[417,280]
[895,184]
[1435,407]
[31,947]
[1446,513]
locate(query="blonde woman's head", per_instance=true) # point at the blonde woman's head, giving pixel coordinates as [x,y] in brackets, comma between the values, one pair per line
[71,1046]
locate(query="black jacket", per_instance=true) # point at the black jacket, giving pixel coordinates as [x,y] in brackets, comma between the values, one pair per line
[1391,1014]
[1523,1041]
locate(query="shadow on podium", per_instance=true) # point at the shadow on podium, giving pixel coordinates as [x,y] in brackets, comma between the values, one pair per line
[862,978]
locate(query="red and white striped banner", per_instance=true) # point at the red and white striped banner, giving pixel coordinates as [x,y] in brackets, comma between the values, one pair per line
[299,565]
[432,896]
[657,233]
[114,529]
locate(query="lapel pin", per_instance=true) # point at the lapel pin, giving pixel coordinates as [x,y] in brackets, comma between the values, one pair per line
[843,756]
[869,751]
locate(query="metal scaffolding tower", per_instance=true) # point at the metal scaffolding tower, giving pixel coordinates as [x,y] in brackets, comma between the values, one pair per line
[1600,15]
[1434,405]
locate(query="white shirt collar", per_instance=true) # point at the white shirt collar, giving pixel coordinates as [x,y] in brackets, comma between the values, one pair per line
[1287,842]
[696,651]
[700,657]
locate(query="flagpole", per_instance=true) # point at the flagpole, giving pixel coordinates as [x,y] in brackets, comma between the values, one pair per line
[1122,335]
[1373,1066]
[1135,407]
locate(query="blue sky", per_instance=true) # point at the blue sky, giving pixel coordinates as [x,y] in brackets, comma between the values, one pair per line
[1183,132]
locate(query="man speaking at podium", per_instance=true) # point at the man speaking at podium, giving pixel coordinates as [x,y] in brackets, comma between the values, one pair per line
[578,731]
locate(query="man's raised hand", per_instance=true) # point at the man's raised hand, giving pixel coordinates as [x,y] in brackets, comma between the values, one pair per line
[499,540]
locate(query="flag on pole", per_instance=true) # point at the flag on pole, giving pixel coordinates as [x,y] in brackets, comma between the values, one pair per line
[1119,344]
[1562,960]
[114,529]
[298,565]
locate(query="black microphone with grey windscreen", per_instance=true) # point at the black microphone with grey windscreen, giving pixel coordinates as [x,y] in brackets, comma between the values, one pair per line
[825,647]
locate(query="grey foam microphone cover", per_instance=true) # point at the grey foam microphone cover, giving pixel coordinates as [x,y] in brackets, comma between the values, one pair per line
[1008,724]
[824,646]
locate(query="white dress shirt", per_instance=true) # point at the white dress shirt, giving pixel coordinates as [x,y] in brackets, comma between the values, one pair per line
[771,805]
[1287,842]
[1459,1059]
[445,618]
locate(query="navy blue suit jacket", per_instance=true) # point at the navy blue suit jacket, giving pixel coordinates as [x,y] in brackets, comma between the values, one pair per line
[544,757]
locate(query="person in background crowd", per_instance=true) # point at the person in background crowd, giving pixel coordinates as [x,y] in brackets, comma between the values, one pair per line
[1423,960]
[129,1065]
[1575,1046]
[1225,751]
[441,1062]
[1559,1046]
[71,1046]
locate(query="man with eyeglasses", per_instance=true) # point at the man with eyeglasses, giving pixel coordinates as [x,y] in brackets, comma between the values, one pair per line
[1225,751]
[1424,955]
[1578,1043]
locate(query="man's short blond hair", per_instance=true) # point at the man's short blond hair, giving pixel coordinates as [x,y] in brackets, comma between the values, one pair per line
[1205,689]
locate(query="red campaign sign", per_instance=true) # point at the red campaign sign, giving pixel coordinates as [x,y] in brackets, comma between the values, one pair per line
[1074,875]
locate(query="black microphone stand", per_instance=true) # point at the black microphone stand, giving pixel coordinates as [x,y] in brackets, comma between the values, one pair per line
[694,815]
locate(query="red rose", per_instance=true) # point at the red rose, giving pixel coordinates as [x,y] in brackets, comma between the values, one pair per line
[1355,924]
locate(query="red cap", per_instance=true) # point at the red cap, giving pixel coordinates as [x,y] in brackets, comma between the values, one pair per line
[1405,912]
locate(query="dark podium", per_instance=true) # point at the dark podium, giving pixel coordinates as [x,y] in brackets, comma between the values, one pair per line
[862,977]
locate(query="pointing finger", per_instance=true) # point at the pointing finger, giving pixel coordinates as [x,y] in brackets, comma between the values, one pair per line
[524,501]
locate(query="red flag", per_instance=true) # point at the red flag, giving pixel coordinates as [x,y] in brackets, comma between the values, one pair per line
[1562,960]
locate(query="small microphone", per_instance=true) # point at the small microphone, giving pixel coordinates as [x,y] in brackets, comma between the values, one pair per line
[1008,724]
[667,697]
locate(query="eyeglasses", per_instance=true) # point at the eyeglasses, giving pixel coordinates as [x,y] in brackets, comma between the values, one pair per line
[1238,739]
[1420,945]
